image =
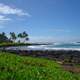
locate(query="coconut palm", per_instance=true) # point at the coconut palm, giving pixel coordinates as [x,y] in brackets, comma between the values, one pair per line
[13,36]
[23,36]
[3,37]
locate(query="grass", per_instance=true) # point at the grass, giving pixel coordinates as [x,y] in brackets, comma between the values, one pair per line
[4,44]
[13,44]
[14,67]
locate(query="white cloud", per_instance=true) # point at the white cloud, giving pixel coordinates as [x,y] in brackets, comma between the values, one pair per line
[5,9]
[4,18]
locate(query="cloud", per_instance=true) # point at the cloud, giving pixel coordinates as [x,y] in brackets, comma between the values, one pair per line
[5,9]
[4,18]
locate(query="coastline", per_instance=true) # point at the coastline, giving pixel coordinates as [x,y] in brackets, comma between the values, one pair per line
[68,56]
[59,52]
[40,47]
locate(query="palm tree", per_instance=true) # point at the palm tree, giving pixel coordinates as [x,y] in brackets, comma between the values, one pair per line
[13,36]
[3,34]
[20,37]
[3,37]
[23,36]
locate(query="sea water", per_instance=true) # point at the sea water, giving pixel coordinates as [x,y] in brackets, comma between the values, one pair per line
[57,46]
[53,46]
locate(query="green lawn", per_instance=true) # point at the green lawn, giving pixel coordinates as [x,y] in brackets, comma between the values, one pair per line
[14,67]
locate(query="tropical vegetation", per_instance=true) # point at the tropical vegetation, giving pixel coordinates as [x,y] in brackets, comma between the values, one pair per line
[13,37]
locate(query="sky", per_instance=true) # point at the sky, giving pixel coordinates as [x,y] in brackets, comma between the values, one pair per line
[43,20]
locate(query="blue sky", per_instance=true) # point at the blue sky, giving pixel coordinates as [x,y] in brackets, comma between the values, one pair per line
[43,20]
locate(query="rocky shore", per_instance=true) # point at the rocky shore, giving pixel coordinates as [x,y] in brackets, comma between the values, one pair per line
[69,56]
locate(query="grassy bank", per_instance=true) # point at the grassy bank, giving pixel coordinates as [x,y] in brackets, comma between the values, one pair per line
[14,67]
[14,44]
[18,44]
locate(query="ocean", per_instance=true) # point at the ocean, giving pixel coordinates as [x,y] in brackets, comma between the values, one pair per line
[53,46]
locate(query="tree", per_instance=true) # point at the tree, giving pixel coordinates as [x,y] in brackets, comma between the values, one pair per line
[23,36]
[19,36]
[13,36]
[3,34]
[3,37]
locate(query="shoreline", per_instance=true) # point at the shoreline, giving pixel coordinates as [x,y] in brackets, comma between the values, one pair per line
[42,48]
[64,56]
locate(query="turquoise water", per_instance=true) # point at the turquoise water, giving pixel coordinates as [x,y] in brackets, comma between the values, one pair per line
[65,45]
